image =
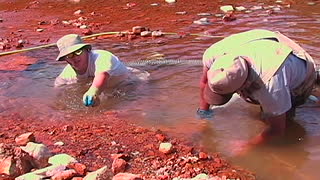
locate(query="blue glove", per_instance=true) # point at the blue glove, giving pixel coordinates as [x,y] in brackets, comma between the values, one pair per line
[91,96]
[204,114]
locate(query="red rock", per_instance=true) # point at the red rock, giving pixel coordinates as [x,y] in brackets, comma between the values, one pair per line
[77,178]
[127,176]
[118,165]
[23,139]
[81,169]
[161,137]
[64,175]
[120,156]
[14,161]
[203,156]
[67,128]
[138,29]
[229,17]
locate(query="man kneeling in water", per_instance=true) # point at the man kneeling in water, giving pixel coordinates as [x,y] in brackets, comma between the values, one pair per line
[83,62]
[264,68]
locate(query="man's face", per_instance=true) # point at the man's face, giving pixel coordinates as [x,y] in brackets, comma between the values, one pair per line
[78,60]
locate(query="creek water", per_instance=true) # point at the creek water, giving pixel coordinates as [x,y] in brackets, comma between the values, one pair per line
[168,99]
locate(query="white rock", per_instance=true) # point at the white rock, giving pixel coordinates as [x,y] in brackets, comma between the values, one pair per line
[155,4]
[83,27]
[226,8]
[39,152]
[66,22]
[60,143]
[62,159]
[39,30]
[165,148]
[36,175]
[204,14]
[254,8]
[202,21]
[240,8]
[96,174]
[145,33]
[201,176]
[277,9]
[170,1]
[181,13]
[78,12]
[156,33]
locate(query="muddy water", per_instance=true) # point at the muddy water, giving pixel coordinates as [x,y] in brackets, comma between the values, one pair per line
[169,98]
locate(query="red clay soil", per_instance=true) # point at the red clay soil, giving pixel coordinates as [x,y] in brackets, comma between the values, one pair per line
[92,143]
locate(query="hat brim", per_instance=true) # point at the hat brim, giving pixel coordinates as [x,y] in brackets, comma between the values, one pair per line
[70,49]
[214,98]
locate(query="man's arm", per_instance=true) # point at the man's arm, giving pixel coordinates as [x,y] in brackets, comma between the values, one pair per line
[99,82]
[67,76]
[203,82]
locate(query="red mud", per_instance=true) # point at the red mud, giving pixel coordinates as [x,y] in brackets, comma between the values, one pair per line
[91,142]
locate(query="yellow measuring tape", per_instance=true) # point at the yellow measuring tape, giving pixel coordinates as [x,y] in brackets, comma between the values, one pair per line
[95,35]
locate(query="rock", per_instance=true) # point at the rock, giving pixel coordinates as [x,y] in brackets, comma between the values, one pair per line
[204,14]
[255,8]
[77,178]
[202,21]
[118,165]
[39,30]
[130,5]
[62,159]
[59,143]
[154,4]
[138,29]
[240,8]
[181,13]
[38,174]
[78,12]
[145,33]
[127,176]
[83,26]
[39,152]
[1,20]
[156,33]
[30,176]
[229,17]
[64,175]
[311,3]
[203,156]
[226,8]
[66,22]
[96,174]
[201,177]
[160,137]
[170,1]
[81,169]
[165,148]
[87,32]
[55,170]
[67,128]
[14,161]
[277,9]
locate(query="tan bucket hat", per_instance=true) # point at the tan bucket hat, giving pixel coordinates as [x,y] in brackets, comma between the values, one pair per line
[68,44]
[226,75]
[215,99]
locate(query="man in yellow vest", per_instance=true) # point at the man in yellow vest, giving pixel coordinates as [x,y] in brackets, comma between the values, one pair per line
[263,67]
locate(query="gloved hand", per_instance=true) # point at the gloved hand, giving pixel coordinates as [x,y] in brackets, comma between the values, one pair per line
[204,114]
[91,96]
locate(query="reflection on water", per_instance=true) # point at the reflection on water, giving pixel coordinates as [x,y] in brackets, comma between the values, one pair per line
[169,99]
